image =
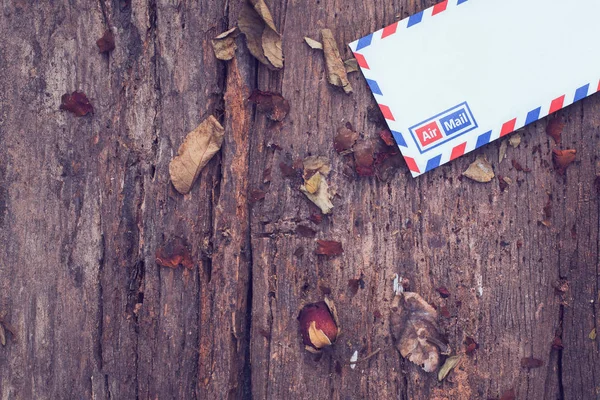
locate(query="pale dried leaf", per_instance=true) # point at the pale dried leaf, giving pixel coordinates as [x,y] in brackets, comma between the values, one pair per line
[448,366]
[354,359]
[312,184]
[265,14]
[271,44]
[592,334]
[333,310]
[502,151]
[416,332]
[351,65]
[199,146]
[508,180]
[313,43]
[336,71]
[480,170]
[515,140]
[316,163]
[322,198]
[317,337]
[2,335]
[224,45]
[252,26]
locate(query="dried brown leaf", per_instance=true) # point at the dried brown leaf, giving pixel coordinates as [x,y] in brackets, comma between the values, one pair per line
[272,104]
[262,39]
[272,48]
[106,43]
[449,365]
[480,170]
[329,248]
[387,137]
[265,14]
[314,164]
[562,159]
[364,152]
[555,128]
[336,71]
[199,146]
[351,65]
[515,140]
[317,325]
[314,44]
[443,291]
[530,362]
[174,253]
[416,332]
[345,139]
[322,198]
[471,345]
[77,103]
[224,45]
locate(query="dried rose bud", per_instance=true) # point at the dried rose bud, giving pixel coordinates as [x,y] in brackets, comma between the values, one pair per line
[318,325]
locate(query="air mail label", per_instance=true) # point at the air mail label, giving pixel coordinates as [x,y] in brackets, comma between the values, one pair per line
[443,127]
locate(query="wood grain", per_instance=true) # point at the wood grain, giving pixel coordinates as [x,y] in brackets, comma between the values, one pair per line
[85,202]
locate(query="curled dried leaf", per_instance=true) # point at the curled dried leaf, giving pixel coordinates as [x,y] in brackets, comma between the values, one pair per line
[77,103]
[562,159]
[336,70]
[314,44]
[313,183]
[449,365]
[345,139]
[107,42]
[416,332]
[174,253]
[329,248]
[480,170]
[555,128]
[322,198]
[351,65]
[224,45]
[272,104]
[263,40]
[199,146]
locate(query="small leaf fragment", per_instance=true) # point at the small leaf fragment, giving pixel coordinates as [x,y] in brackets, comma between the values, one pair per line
[272,104]
[345,139]
[555,128]
[329,248]
[316,164]
[321,198]
[174,253]
[515,140]
[351,65]
[530,362]
[336,70]
[2,335]
[106,43]
[317,337]
[562,159]
[364,153]
[480,170]
[272,48]
[198,147]
[224,45]
[314,44]
[77,103]
[387,137]
[502,151]
[448,366]
[264,42]
[592,334]
[312,185]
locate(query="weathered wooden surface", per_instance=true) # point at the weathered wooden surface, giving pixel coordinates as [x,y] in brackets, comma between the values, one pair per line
[85,203]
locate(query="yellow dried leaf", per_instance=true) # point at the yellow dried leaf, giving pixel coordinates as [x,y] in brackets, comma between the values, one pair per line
[336,71]
[480,170]
[317,337]
[321,198]
[313,43]
[448,366]
[224,44]
[312,185]
[199,146]
[592,334]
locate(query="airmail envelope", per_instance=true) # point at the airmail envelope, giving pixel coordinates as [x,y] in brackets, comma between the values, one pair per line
[463,73]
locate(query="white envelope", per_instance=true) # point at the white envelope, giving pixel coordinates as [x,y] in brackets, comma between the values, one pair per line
[463,73]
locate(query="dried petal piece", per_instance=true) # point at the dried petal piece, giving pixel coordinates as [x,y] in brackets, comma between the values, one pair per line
[416,332]
[313,43]
[555,128]
[351,65]
[480,170]
[336,71]
[515,140]
[272,104]
[562,159]
[329,248]
[224,44]
[448,366]
[592,334]
[317,326]
[530,362]
[345,139]
[502,151]
[77,103]
[107,42]
[175,253]
[199,146]
[322,198]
